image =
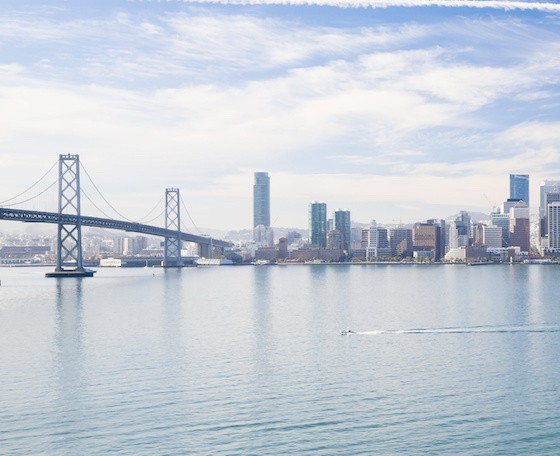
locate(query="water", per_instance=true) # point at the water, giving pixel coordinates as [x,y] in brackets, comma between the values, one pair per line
[250,360]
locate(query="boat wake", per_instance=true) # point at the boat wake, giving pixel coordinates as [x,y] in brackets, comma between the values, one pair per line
[467,330]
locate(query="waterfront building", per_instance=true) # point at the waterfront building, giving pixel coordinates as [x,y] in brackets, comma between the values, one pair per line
[400,241]
[370,240]
[318,223]
[519,187]
[282,248]
[342,223]
[426,238]
[261,200]
[519,227]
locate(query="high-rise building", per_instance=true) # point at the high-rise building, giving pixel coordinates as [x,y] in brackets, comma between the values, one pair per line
[427,237]
[553,218]
[519,227]
[459,231]
[342,223]
[318,223]
[519,187]
[492,236]
[501,220]
[261,200]
[370,240]
[548,186]
[400,240]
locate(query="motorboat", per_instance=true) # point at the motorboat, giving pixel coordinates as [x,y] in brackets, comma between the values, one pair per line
[347,332]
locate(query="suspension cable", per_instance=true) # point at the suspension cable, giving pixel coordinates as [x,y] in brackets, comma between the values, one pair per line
[28,188]
[94,205]
[155,218]
[152,210]
[189,215]
[33,197]
[101,194]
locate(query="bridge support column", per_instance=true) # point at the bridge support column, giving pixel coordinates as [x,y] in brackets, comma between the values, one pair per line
[69,260]
[172,245]
[204,251]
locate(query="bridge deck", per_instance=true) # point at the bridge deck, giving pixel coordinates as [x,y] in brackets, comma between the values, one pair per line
[21,215]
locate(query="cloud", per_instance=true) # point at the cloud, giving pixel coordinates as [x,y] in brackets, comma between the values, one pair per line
[496,4]
[367,116]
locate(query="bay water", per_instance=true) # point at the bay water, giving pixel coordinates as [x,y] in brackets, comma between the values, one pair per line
[251,361]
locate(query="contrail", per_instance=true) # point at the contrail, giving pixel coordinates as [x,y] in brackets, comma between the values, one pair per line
[495,4]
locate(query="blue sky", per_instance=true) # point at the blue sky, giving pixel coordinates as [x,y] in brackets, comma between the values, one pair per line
[396,113]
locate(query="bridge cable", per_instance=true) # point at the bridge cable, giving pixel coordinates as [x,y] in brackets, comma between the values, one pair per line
[33,197]
[189,215]
[155,218]
[94,205]
[112,207]
[152,210]
[101,194]
[29,188]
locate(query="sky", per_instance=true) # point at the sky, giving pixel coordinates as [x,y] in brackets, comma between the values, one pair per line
[395,110]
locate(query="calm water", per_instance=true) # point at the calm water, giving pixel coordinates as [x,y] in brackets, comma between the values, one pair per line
[250,360]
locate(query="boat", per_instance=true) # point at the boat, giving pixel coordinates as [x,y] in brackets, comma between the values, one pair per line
[347,332]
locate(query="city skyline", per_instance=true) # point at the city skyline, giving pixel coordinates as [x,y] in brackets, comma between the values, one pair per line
[397,113]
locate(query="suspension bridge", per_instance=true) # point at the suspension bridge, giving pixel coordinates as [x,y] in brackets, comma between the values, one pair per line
[69,220]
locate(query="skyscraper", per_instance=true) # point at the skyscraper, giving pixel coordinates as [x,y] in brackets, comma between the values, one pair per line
[519,187]
[318,223]
[519,227]
[261,200]
[342,223]
[548,186]
[553,219]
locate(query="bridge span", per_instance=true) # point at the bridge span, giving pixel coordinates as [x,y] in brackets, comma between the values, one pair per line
[69,258]
[20,215]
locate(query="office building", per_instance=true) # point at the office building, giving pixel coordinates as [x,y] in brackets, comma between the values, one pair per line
[519,227]
[519,187]
[370,240]
[548,186]
[261,200]
[459,231]
[501,220]
[492,236]
[427,239]
[553,218]
[400,241]
[318,224]
[342,223]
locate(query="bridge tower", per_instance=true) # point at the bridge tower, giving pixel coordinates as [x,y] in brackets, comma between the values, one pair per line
[172,245]
[69,260]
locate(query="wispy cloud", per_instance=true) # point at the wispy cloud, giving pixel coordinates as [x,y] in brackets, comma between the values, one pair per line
[355,114]
[496,4]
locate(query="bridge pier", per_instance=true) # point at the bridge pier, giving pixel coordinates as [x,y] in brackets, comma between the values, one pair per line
[69,260]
